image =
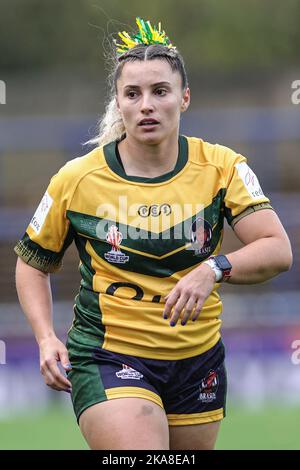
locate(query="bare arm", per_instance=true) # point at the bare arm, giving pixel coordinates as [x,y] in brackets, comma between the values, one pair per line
[266,253]
[34,292]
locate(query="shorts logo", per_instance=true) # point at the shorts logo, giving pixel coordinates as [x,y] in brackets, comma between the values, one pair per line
[129,373]
[115,255]
[201,236]
[208,387]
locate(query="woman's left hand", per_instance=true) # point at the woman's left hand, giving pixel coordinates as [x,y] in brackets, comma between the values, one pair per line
[191,291]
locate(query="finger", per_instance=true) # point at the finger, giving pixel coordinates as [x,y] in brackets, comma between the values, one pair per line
[197,310]
[172,299]
[64,359]
[178,309]
[59,379]
[188,310]
[59,389]
[49,380]
[55,382]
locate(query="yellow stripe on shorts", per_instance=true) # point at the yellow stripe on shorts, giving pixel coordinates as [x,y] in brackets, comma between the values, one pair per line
[195,418]
[133,392]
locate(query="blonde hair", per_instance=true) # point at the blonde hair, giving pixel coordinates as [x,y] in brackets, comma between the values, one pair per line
[111,126]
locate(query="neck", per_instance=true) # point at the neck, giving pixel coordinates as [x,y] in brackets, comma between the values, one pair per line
[148,160]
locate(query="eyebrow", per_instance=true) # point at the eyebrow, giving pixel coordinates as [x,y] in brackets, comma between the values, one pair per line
[153,85]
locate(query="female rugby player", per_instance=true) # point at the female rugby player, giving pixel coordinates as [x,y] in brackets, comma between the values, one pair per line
[145,208]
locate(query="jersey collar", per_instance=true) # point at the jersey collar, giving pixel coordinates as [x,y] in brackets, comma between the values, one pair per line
[111,155]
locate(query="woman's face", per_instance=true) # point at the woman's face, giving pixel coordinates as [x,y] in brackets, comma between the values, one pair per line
[150,99]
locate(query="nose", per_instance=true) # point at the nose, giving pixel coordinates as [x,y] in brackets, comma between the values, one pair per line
[146,104]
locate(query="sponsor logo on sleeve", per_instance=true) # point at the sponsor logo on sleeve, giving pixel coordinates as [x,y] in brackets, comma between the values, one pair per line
[41,213]
[250,180]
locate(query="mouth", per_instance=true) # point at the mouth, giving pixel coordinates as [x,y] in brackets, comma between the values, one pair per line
[148,123]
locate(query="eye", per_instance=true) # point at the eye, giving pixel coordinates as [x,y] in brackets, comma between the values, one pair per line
[131,94]
[161,91]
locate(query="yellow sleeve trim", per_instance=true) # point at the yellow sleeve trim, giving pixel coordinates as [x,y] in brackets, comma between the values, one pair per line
[250,210]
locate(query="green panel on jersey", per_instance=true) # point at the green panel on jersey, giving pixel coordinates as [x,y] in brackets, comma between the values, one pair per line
[86,270]
[88,316]
[157,244]
[170,243]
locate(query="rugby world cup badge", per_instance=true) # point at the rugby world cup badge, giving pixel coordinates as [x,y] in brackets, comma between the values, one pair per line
[115,255]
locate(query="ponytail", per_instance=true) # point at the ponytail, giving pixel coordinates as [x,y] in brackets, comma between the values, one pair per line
[111,126]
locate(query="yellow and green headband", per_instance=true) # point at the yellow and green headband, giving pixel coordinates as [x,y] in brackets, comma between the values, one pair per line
[146,35]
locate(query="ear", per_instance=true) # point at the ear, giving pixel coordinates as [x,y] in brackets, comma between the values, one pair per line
[117,102]
[186,98]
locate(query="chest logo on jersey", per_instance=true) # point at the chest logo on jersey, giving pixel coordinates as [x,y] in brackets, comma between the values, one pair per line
[200,237]
[115,255]
[154,210]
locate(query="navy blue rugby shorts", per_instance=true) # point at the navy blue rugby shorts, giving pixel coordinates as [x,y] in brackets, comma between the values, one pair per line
[191,391]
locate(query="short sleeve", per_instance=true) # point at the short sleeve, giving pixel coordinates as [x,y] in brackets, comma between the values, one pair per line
[49,232]
[243,190]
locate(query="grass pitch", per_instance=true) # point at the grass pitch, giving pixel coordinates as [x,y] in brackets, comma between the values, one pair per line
[56,429]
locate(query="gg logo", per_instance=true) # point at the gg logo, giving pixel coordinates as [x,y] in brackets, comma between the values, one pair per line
[154,210]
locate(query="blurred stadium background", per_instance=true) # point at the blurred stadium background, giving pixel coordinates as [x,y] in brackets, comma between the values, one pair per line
[241,58]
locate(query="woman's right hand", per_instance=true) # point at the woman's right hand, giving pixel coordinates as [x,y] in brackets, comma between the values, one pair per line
[52,351]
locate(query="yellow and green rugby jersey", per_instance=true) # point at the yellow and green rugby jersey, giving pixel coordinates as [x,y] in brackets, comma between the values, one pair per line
[136,238]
